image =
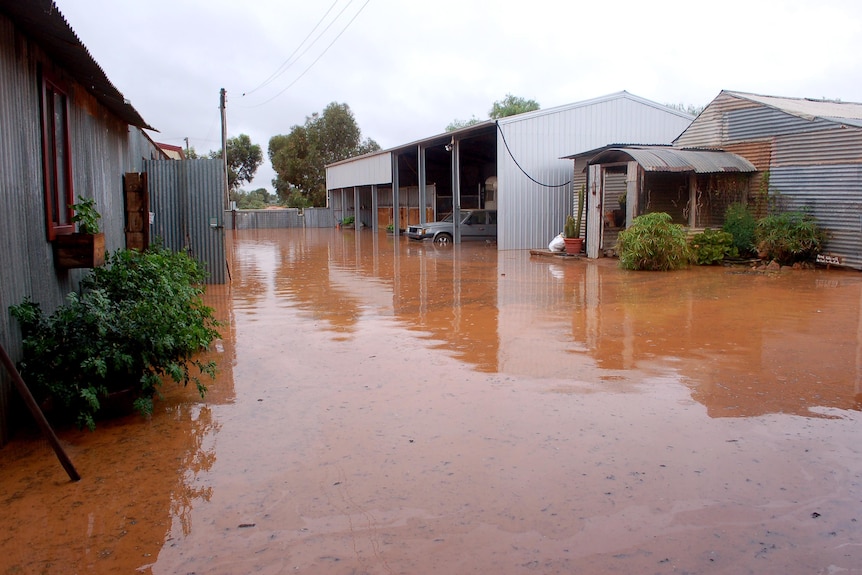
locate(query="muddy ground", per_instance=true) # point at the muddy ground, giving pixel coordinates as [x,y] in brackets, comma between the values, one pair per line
[389,407]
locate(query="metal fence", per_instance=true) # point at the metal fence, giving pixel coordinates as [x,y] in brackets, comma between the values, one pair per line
[281,218]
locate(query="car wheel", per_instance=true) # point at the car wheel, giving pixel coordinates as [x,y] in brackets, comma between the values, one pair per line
[442,239]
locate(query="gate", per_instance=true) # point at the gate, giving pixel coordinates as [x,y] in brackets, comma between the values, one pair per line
[187,205]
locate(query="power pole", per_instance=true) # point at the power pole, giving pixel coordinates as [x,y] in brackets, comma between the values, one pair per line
[222,101]
[187,147]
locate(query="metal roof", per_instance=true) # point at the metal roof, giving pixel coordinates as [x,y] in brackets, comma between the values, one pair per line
[666,159]
[43,22]
[832,110]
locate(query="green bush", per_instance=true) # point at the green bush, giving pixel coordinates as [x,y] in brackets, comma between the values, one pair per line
[789,237]
[739,222]
[348,221]
[712,246]
[653,242]
[137,320]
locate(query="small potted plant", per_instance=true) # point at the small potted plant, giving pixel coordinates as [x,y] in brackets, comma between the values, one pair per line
[570,235]
[86,247]
[572,229]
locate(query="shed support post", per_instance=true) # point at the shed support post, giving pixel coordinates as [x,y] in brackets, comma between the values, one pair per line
[396,208]
[692,201]
[356,213]
[422,186]
[632,191]
[375,224]
[456,190]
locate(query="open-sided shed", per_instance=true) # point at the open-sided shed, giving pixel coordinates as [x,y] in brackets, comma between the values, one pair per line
[513,165]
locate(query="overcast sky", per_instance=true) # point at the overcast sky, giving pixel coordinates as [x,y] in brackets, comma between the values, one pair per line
[407,69]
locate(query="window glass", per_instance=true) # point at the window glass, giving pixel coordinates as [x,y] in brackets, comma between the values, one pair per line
[56,161]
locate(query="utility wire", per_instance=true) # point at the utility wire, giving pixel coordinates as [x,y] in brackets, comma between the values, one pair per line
[287,63]
[502,135]
[316,59]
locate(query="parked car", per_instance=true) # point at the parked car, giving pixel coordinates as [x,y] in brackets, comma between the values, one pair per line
[475,225]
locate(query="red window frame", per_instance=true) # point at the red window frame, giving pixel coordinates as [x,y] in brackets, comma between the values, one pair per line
[56,158]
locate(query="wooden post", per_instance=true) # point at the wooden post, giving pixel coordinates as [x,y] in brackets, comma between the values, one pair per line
[38,415]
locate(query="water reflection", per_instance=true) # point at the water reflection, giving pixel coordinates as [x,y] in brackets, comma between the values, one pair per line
[745,343]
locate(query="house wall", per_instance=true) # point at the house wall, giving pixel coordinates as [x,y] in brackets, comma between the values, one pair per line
[530,214]
[103,149]
[813,164]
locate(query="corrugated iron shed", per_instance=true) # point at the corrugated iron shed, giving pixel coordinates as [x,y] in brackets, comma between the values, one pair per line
[42,21]
[810,109]
[666,159]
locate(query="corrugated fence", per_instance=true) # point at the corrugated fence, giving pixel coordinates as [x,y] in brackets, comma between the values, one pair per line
[186,201]
[282,218]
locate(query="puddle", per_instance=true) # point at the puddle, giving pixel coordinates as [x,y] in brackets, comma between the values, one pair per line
[393,407]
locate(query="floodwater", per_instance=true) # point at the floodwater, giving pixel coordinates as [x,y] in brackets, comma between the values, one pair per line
[387,407]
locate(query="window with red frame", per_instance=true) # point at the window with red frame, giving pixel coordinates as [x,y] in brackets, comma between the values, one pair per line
[56,159]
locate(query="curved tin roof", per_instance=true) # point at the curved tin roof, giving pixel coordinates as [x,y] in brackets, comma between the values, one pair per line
[665,159]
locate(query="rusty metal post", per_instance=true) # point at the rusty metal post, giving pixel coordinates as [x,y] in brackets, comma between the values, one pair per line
[38,415]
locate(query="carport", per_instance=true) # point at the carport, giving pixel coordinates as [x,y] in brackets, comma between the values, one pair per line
[419,182]
[694,186]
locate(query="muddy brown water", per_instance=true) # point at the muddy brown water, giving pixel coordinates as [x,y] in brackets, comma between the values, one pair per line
[389,407]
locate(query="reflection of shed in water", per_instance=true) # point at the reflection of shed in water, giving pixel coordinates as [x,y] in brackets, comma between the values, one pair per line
[693,186]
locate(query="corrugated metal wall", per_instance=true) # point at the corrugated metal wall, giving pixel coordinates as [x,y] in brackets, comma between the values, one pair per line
[362,171]
[288,218]
[186,198]
[833,195]
[531,214]
[814,165]
[103,149]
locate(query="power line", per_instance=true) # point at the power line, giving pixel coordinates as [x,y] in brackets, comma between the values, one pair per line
[287,63]
[343,30]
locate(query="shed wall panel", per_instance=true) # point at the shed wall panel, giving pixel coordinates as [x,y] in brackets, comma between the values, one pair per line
[531,214]
[760,122]
[833,146]
[833,195]
[361,171]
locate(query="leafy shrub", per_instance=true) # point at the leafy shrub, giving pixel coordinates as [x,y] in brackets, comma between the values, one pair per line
[789,237]
[653,242]
[739,222]
[136,321]
[348,220]
[712,246]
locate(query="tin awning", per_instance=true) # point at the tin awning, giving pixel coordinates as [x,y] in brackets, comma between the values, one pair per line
[681,160]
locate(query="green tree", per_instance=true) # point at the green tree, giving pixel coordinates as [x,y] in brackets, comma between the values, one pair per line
[508,106]
[687,108]
[511,105]
[254,200]
[458,124]
[300,157]
[243,160]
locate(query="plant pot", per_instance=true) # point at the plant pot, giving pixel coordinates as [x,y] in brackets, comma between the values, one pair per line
[79,250]
[573,245]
